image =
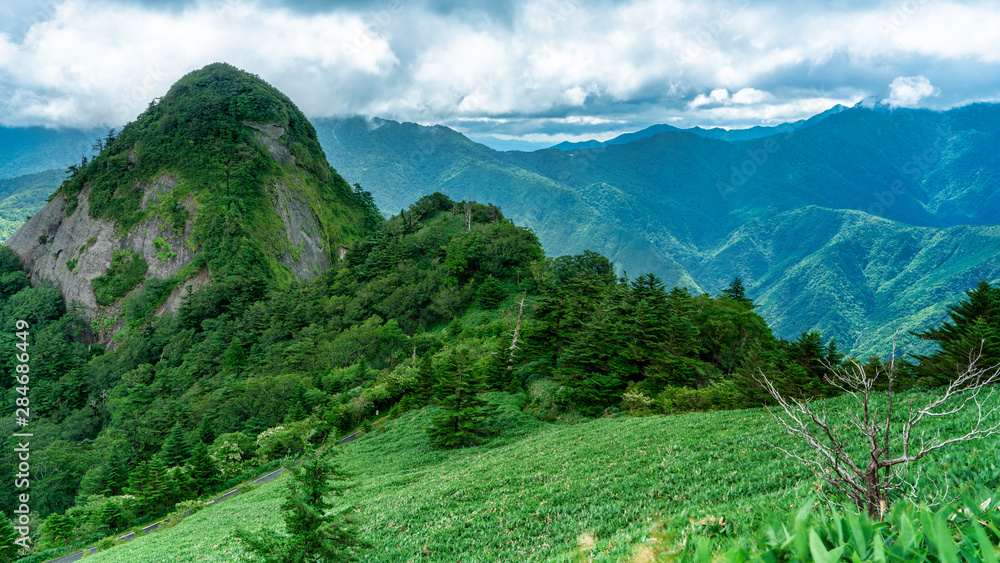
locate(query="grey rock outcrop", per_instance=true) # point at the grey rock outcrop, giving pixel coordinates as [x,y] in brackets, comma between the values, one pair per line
[74,249]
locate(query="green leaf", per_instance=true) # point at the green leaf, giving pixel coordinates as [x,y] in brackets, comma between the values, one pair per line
[858,539]
[801,538]
[986,548]
[878,545]
[818,550]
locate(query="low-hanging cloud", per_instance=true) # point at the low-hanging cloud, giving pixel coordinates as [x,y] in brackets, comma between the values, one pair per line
[908,91]
[515,67]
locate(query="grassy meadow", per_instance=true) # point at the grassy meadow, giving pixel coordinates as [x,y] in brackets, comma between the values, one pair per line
[610,489]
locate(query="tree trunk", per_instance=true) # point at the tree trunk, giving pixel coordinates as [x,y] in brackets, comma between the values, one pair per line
[875,495]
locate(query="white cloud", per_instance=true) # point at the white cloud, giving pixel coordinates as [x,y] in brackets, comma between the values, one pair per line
[907,91]
[750,96]
[717,97]
[770,114]
[575,96]
[721,97]
[87,62]
[95,63]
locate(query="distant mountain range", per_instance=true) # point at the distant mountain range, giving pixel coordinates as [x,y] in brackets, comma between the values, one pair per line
[23,196]
[859,222]
[29,150]
[503,145]
[732,135]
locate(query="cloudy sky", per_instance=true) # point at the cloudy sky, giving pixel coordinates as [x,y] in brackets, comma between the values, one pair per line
[532,69]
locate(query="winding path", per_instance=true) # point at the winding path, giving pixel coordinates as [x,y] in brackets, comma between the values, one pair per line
[223,497]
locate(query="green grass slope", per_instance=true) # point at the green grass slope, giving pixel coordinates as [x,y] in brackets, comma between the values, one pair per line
[538,491]
[530,494]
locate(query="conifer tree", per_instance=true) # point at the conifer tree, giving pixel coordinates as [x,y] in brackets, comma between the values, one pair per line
[463,412]
[490,292]
[112,516]
[296,411]
[202,469]
[138,481]
[973,328]
[206,434]
[57,529]
[185,484]
[176,450]
[313,532]
[117,473]
[737,292]
[643,330]
[8,549]
[234,358]
[159,490]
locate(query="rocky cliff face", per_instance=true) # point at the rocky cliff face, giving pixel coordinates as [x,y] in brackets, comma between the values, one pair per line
[223,177]
[74,249]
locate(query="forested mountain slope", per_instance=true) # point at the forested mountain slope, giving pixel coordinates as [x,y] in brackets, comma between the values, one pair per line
[839,205]
[222,177]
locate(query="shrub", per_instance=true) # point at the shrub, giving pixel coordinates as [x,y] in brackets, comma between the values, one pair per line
[127,269]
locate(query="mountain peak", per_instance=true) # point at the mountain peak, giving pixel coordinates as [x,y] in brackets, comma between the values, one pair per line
[221,177]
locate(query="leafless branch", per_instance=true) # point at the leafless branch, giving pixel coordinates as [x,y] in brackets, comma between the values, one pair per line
[889,444]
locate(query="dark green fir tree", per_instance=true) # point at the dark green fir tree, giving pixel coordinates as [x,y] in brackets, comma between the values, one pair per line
[8,549]
[176,450]
[203,471]
[463,412]
[313,531]
[111,516]
[57,530]
[972,331]
[206,434]
[737,292]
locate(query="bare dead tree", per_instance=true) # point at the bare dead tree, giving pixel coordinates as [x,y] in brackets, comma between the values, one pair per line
[889,440]
[516,333]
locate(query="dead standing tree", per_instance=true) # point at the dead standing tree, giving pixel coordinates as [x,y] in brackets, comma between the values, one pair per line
[889,440]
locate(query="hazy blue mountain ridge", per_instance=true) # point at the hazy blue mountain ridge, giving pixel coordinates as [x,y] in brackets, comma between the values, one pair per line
[861,223]
[29,150]
[23,196]
[732,135]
